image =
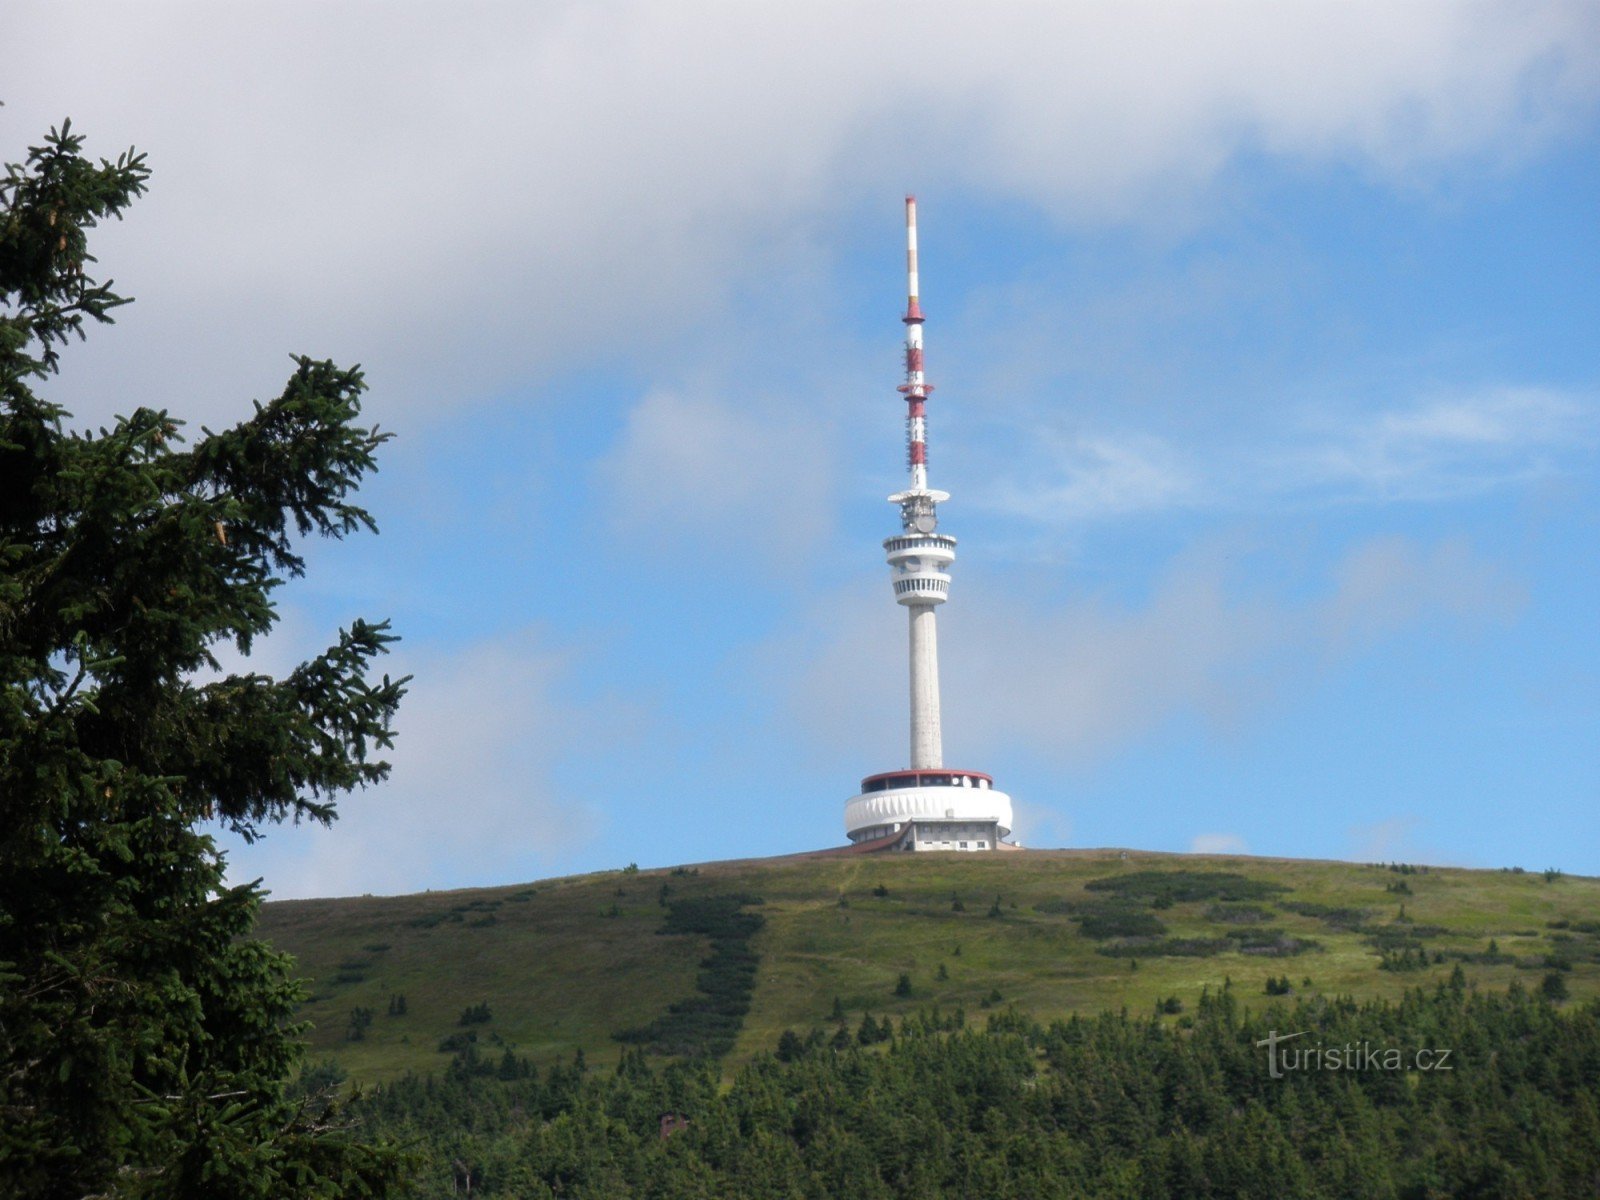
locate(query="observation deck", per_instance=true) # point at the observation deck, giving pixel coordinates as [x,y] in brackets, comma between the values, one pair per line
[919,566]
[938,799]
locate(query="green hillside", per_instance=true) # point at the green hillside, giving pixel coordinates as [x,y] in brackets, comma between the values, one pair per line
[568,963]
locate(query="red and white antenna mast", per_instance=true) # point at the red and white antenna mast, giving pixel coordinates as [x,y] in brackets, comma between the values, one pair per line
[918,503]
[916,386]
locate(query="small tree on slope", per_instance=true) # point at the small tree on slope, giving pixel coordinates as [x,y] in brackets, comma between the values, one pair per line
[144,1038]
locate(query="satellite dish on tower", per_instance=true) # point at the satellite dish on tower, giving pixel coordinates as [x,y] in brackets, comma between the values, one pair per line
[926,523]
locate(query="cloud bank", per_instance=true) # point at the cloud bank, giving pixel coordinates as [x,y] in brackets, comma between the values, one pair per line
[495,192]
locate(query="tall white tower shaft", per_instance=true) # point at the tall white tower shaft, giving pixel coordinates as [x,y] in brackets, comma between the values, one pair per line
[927,741]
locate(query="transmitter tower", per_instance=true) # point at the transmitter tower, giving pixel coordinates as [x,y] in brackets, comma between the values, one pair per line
[926,806]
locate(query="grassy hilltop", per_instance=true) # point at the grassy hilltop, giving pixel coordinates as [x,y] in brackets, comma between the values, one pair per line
[567,963]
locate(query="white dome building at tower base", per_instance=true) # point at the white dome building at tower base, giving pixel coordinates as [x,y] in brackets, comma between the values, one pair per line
[929,810]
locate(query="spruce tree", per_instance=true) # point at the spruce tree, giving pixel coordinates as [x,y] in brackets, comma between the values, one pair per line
[144,1036]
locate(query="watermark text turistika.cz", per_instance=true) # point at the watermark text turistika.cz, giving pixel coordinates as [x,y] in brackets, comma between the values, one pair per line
[1348,1056]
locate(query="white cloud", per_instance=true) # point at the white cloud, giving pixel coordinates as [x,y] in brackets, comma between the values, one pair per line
[1391,840]
[1388,583]
[1038,825]
[1218,843]
[1104,476]
[1447,446]
[1500,417]
[698,469]
[1439,448]
[494,192]
[474,797]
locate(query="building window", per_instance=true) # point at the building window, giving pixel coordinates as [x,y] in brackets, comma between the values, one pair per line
[983,845]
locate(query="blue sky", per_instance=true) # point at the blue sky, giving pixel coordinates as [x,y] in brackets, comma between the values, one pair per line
[1268,396]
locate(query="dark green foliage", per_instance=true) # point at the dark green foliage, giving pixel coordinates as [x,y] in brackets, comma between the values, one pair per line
[144,1038]
[1334,916]
[1279,986]
[1491,956]
[880,891]
[475,1014]
[397,1004]
[316,1079]
[1102,921]
[360,1018]
[706,1025]
[1407,959]
[1169,948]
[1554,986]
[995,909]
[1238,914]
[1272,943]
[872,1031]
[903,986]
[1103,1106]
[1180,887]
[1170,1006]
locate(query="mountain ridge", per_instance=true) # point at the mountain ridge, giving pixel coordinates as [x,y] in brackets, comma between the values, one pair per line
[592,962]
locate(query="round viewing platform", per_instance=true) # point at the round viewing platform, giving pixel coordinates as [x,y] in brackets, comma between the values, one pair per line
[890,801]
